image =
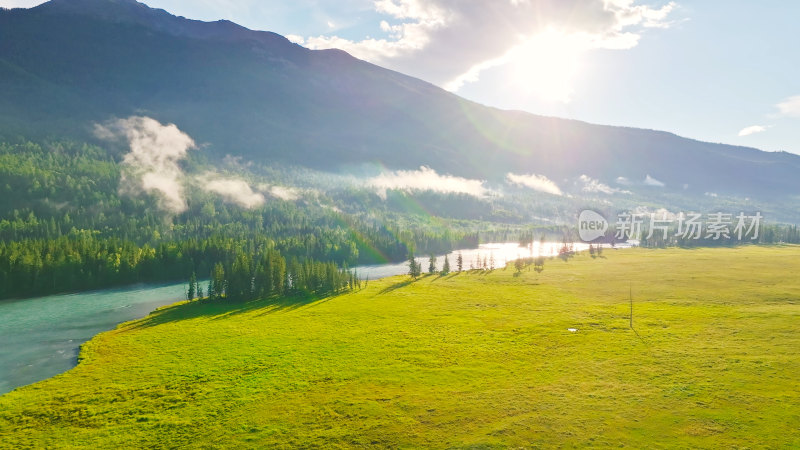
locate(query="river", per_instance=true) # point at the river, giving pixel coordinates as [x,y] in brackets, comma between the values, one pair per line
[41,336]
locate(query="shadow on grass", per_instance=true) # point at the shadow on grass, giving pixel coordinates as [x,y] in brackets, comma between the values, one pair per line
[216,309]
[445,277]
[399,285]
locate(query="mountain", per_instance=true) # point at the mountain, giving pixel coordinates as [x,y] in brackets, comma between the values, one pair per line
[67,64]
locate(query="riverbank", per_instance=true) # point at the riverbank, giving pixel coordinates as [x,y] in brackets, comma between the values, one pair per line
[42,335]
[471,359]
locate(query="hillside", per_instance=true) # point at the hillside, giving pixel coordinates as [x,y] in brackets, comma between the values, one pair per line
[468,360]
[68,64]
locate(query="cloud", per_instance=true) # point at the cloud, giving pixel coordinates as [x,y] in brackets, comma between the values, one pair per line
[473,73]
[418,19]
[152,165]
[295,39]
[557,50]
[789,107]
[595,186]
[232,189]
[650,181]
[450,42]
[288,194]
[747,131]
[20,3]
[536,182]
[426,179]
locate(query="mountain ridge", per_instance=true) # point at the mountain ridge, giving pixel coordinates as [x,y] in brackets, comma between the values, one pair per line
[255,94]
[134,12]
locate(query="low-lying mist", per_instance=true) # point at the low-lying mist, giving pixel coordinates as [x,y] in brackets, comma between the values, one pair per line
[158,158]
[154,166]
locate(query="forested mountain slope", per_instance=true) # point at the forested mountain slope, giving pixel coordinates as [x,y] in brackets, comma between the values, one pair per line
[69,63]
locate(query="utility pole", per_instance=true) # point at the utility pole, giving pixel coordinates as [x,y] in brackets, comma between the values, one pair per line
[631,298]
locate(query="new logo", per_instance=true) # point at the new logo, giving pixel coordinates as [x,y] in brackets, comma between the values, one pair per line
[591,225]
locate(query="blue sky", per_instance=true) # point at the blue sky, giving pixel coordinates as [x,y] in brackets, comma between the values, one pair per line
[718,71]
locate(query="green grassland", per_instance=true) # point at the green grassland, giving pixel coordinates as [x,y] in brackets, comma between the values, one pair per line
[466,360]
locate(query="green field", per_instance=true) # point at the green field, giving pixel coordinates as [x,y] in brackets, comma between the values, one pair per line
[466,360]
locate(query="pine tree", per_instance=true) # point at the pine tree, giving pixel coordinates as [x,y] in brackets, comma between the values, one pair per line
[446,266]
[217,283]
[432,264]
[413,268]
[262,278]
[192,294]
[460,261]
[239,279]
[279,280]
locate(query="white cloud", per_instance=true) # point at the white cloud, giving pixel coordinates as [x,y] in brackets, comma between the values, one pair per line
[595,186]
[789,107]
[234,190]
[650,181]
[20,3]
[426,179]
[288,194]
[152,165]
[623,181]
[536,182]
[747,131]
[295,39]
[419,19]
[450,42]
[473,73]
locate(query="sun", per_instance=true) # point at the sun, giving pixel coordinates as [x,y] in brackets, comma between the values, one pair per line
[547,65]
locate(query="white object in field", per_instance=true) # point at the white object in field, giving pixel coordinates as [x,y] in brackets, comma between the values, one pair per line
[572,330]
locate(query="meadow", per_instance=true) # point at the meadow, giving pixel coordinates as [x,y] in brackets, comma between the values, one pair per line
[473,359]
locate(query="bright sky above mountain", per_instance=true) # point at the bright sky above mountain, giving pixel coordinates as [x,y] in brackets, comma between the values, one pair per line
[719,71]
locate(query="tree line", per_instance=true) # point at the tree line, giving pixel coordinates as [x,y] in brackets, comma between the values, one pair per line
[64,227]
[267,274]
[82,261]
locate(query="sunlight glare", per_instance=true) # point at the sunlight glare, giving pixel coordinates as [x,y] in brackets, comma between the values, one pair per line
[547,64]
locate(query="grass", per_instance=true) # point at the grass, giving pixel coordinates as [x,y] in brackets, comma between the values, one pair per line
[468,360]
